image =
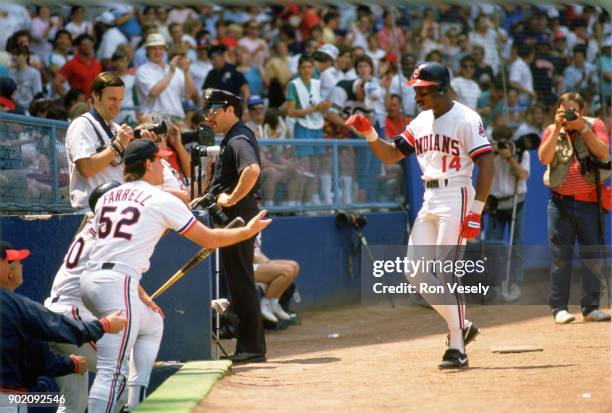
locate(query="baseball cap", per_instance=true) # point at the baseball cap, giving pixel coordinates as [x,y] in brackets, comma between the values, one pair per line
[329,50]
[216,50]
[107,18]
[140,149]
[155,39]
[11,254]
[255,100]
[216,98]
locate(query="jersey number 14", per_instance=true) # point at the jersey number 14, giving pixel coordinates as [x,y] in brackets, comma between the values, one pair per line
[455,163]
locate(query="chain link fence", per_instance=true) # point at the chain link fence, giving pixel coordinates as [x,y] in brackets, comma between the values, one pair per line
[33,166]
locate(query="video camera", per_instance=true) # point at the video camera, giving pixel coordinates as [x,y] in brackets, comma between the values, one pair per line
[356,220]
[158,128]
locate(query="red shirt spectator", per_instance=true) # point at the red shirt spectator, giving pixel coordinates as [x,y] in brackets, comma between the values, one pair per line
[81,70]
[395,123]
[575,183]
[310,19]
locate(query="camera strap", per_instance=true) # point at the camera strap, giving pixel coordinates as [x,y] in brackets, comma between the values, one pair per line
[105,127]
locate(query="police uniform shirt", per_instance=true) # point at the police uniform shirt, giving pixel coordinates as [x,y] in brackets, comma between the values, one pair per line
[228,78]
[239,149]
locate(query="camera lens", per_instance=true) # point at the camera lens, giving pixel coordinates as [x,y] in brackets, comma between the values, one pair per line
[136,133]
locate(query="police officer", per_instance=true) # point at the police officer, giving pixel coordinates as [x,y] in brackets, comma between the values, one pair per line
[235,184]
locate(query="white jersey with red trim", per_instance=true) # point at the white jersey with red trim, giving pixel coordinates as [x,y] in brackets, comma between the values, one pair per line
[129,221]
[67,282]
[448,145]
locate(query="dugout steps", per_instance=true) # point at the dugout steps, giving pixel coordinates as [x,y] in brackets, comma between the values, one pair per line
[184,390]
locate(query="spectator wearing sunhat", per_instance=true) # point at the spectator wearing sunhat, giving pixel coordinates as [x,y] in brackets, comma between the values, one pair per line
[162,87]
[225,76]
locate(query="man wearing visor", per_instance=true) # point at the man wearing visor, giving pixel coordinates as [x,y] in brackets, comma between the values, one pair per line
[235,184]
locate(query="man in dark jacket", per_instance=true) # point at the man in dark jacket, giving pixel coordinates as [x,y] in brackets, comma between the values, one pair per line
[24,324]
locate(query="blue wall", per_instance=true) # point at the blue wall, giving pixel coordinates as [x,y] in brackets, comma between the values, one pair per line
[186,304]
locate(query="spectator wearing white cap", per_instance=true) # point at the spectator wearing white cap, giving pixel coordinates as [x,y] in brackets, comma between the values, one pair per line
[325,58]
[160,86]
[111,38]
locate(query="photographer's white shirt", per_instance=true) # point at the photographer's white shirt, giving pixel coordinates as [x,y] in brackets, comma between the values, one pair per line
[81,143]
[504,180]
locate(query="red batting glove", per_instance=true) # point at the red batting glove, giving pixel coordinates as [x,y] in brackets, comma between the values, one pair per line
[470,227]
[360,122]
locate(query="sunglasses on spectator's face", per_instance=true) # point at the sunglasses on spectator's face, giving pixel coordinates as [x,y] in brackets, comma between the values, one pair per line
[468,66]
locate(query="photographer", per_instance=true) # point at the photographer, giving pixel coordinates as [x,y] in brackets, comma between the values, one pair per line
[95,143]
[235,184]
[511,173]
[571,212]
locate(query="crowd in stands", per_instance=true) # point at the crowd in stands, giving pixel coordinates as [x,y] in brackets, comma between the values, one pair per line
[509,62]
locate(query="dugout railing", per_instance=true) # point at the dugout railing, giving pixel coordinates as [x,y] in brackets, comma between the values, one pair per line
[34,176]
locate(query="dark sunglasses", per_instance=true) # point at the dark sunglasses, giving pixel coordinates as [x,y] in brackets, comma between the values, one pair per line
[468,66]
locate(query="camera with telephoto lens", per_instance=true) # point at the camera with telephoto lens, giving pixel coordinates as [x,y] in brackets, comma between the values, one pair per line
[346,218]
[204,142]
[570,114]
[159,128]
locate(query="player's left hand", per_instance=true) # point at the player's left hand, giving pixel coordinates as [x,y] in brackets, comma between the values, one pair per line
[470,227]
[225,200]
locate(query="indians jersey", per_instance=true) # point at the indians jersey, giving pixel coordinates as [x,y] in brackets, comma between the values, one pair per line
[129,221]
[67,282]
[446,146]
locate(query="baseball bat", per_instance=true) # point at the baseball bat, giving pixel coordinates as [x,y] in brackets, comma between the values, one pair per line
[198,257]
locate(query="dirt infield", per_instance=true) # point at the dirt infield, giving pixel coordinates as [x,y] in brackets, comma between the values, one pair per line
[385,360]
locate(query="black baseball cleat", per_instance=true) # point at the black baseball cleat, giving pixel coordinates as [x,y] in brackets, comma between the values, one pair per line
[453,359]
[240,358]
[469,334]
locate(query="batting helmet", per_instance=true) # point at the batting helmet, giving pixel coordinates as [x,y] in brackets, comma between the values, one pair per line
[99,191]
[431,74]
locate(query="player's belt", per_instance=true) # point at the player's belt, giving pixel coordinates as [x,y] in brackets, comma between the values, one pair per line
[436,183]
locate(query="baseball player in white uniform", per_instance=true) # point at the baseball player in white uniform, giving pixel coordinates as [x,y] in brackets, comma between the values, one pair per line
[448,139]
[66,299]
[129,221]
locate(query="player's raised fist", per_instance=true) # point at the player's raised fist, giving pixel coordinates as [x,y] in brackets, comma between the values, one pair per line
[470,227]
[360,122]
